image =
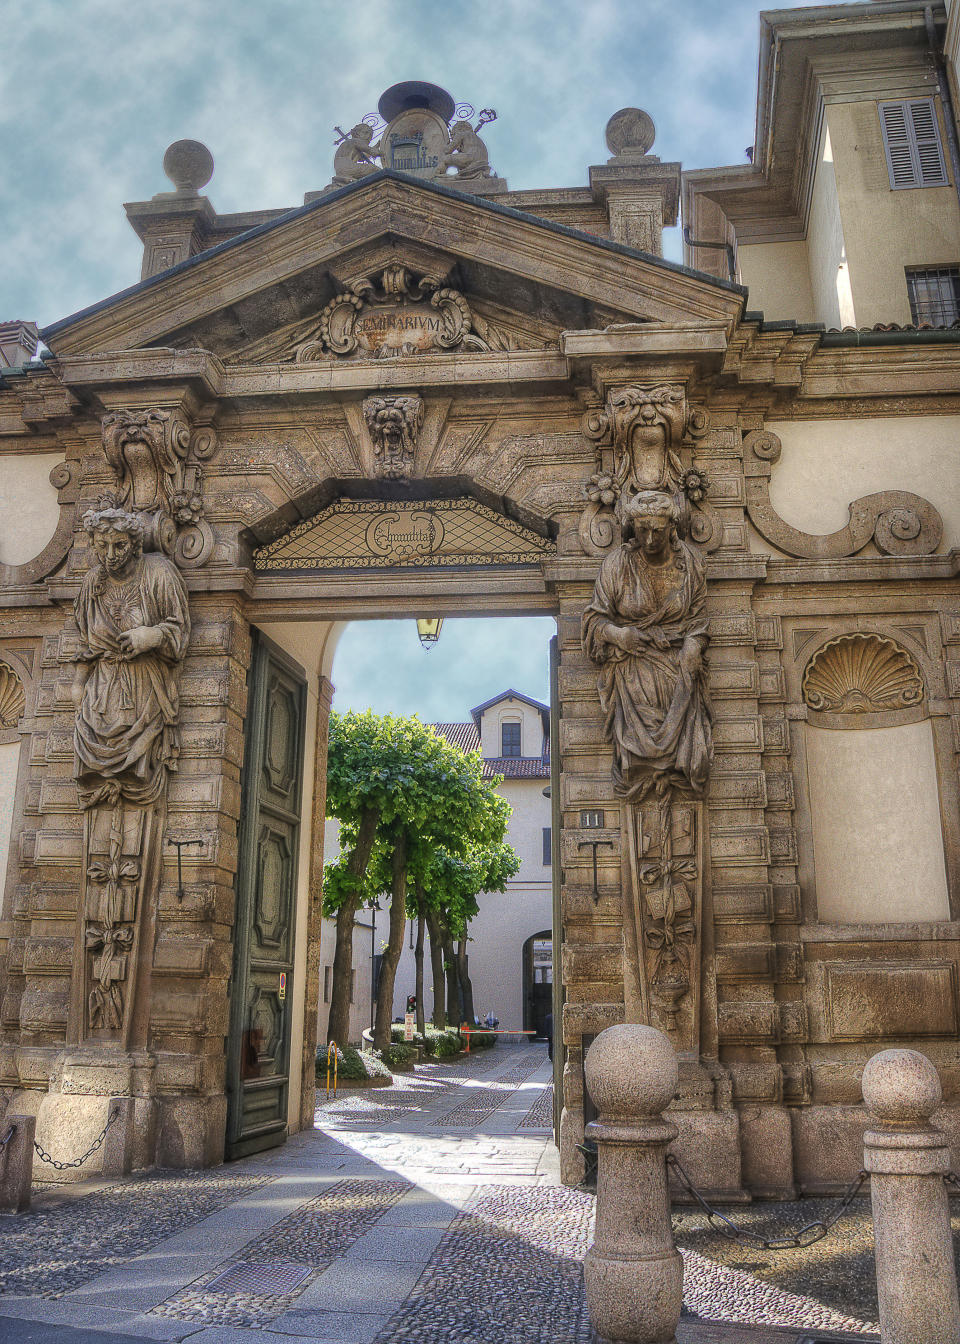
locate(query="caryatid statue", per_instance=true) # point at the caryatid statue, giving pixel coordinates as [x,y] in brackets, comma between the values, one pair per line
[646,631]
[134,625]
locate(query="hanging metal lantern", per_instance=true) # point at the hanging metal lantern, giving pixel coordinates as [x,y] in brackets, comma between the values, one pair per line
[428,629]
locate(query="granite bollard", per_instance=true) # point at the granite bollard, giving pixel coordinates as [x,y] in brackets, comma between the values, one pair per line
[907,1158]
[16,1163]
[633,1271]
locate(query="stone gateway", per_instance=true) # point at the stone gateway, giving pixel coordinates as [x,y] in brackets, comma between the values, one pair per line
[422,385]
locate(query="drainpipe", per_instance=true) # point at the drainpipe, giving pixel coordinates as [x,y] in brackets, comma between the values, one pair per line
[943,88]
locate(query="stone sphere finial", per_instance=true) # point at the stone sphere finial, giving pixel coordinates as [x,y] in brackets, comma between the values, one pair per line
[630,132]
[189,165]
[901,1087]
[631,1071]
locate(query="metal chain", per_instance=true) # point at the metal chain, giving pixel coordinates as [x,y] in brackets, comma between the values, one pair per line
[7,1137]
[807,1235]
[952,1178]
[78,1161]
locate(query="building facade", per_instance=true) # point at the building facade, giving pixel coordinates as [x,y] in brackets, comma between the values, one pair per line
[423,389]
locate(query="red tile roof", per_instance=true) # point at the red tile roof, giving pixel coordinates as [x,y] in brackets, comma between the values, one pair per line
[467,738]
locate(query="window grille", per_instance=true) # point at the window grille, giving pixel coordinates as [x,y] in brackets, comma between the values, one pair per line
[510,739]
[934,293]
[547,856]
[911,139]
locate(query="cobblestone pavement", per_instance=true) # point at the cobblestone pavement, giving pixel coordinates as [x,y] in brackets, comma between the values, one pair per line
[427,1211]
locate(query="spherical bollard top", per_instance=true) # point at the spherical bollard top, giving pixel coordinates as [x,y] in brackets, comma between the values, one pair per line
[901,1087]
[631,1071]
[188,164]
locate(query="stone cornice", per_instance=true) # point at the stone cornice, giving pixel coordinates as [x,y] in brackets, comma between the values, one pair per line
[530,250]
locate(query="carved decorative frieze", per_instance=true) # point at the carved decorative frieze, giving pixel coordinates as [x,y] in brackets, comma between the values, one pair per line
[134,625]
[12,698]
[900,523]
[156,457]
[394,424]
[860,674]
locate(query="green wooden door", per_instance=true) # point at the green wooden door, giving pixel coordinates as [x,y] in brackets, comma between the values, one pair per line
[261,995]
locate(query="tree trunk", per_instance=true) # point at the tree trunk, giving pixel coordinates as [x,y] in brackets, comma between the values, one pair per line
[436,963]
[454,1005]
[391,957]
[418,954]
[338,1023]
[466,987]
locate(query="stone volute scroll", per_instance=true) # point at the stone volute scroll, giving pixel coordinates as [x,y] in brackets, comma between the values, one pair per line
[897,521]
[134,625]
[647,633]
[157,459]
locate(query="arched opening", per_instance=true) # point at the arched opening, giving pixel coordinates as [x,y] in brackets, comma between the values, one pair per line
[538,981]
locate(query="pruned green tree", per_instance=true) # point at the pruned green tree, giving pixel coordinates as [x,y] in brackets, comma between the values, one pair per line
[404,796]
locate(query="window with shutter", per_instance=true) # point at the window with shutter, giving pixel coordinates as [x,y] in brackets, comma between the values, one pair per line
[911,140]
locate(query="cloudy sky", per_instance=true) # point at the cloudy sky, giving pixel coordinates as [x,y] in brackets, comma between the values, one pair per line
[93,91]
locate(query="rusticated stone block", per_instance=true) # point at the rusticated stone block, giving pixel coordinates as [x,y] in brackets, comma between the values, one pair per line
[746,1022]
[595,962]
[590,1018]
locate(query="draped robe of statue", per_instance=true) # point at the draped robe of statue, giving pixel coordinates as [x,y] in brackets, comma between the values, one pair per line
[656,714]
[126,736]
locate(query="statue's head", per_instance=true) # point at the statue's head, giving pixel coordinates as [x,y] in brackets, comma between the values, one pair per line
[459,127]
[363,132]
[649,521]
[117,537]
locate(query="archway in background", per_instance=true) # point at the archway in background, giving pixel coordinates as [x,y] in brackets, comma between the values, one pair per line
[538,981]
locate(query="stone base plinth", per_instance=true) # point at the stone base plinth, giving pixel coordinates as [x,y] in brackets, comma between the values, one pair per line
[87,1086]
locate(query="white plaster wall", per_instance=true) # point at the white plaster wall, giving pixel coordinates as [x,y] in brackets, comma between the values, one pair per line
[9,762]
[877,839]
[827,464]
[825,244]
[778,278]
[885,230]
[29,511]
[531,727]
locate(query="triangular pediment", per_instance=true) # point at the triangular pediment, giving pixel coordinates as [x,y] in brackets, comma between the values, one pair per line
[405,534]
[260,297]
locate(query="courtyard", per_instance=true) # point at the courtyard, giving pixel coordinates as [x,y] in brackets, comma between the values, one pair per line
[427,1210]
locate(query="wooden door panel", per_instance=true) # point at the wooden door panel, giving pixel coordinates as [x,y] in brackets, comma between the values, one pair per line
[258,1052]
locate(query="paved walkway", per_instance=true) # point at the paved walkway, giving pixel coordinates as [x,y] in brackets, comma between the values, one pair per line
[428,1212]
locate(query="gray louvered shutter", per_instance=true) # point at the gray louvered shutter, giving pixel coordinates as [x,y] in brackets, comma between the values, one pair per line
[926,134]
[911,140]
